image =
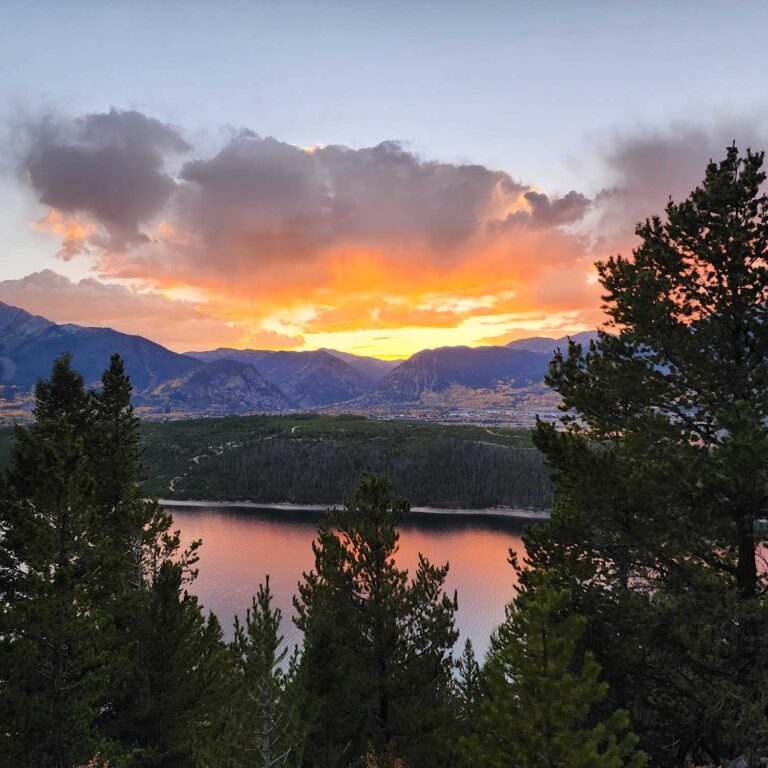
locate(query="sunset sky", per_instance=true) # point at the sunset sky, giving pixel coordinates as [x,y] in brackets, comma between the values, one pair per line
[374,177]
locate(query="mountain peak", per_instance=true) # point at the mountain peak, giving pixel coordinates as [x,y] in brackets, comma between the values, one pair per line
[225,385]
[308,378]
[546,345]
[435,370]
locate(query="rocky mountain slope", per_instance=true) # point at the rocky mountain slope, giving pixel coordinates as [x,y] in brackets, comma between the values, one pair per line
[370,367]
[30,343]
[433,371]
[308,379]
[222,386]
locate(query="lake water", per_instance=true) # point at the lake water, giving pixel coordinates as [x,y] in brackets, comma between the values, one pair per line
[240,547]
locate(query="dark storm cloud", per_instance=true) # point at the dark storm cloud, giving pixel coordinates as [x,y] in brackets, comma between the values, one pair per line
[109,167]
[257,197]
[260,201]
[558,211]
[387,192]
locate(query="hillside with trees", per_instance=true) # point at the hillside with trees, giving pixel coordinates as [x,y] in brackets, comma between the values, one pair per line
[318,459]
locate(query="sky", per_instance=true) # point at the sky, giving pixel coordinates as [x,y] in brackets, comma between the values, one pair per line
[376,177]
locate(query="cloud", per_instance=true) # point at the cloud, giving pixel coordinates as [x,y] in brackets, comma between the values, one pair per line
[350,241]
[548,326]
[108,168]
[178,324]
[74,233]
[260,204]
[545,212]
[553,213]
[378,315]
[300,244]
[643,170]
[271,227]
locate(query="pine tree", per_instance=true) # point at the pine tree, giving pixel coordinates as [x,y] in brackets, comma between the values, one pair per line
[181,666]
[330,669]
[125,517]
[377,646]
[52,660]
[142,571]
[661,472]
[467,687]
[268,709]
[138,534]
[114,446]
[541,693]
[121,515]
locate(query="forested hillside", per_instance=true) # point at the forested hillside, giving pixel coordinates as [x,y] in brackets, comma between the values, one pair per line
[442,472]
[317,459]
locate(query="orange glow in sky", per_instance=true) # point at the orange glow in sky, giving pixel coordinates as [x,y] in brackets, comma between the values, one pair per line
[362,299]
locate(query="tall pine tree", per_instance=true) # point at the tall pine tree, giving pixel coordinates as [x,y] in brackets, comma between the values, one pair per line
[541,693]
[168,663]
[268,729]
[51,652]
[661,472]
[377,645]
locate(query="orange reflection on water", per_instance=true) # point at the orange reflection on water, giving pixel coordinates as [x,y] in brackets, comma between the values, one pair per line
[241,547]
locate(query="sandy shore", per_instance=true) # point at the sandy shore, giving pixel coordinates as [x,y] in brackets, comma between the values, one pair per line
[514,512]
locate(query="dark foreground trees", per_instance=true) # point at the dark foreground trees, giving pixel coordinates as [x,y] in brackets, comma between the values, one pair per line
[97,636]
[542,693]
[53,665]
[377,645]
[106,658]
[662,472]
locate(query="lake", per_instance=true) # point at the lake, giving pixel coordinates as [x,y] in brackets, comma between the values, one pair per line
[241,546]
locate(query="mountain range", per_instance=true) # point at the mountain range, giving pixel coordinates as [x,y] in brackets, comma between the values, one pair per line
[307,378]
[229,381]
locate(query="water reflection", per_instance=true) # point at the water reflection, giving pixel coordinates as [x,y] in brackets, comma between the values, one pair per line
[241,546]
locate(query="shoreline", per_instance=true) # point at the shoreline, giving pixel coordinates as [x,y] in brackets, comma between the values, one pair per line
[517,513]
